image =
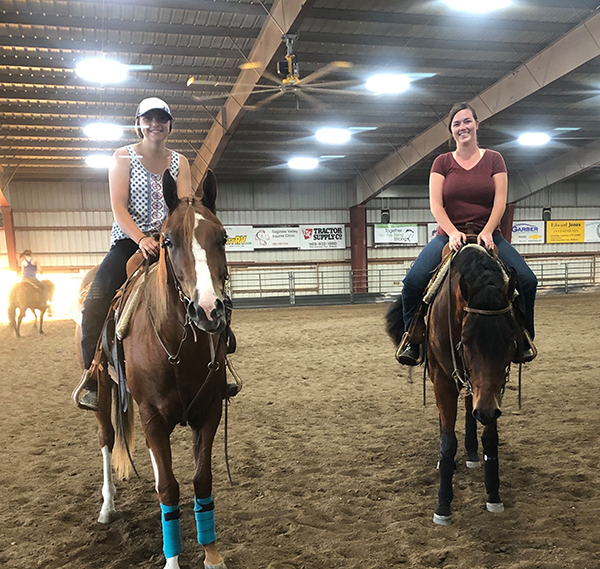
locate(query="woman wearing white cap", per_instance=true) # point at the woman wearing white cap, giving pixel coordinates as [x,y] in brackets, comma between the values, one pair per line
[135,183]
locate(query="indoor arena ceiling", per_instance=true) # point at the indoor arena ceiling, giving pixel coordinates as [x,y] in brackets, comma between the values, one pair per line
[531,66]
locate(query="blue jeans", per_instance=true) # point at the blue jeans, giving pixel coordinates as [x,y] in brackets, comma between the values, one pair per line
[418,277]
[110,276]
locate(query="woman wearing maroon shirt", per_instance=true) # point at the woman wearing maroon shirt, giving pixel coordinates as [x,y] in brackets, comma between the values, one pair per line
[468,185]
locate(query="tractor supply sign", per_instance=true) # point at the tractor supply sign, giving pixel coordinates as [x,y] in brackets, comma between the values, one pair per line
[322,237]
[527,232]
[567,231]
[592,231]
[239,238]
[397,234]
[276,238]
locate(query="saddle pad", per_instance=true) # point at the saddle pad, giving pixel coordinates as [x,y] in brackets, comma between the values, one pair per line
[131,304]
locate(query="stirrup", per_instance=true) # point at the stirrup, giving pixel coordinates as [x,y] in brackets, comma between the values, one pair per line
[402,346]
[81,392]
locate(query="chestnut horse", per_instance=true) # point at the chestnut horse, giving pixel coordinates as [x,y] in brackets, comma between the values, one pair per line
[175,365]
[29,295]
[472,336]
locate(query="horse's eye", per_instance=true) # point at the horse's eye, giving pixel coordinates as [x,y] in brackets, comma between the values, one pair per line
[167,241]
[225,239]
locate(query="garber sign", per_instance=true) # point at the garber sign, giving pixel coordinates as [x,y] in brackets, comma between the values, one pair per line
[528,232]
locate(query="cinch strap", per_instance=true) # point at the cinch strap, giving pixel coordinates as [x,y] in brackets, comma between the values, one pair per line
[204,510]
[171,530]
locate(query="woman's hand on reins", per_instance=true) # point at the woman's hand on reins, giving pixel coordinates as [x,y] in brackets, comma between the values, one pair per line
[148,246]
[457,240]
[486,240]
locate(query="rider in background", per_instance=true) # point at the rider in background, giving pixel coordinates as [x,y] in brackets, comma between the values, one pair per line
[467,186]
[30,267]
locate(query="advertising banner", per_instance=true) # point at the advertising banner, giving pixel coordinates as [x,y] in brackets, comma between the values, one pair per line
[276,237]
[396,233]
[527,232]
[239,238]
[592,231]
[566,231]
[322,237]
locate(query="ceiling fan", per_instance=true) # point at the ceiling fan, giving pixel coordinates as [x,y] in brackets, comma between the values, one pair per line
[303,88]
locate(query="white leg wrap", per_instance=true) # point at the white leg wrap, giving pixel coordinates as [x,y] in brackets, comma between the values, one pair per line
[107,513]
[172,563]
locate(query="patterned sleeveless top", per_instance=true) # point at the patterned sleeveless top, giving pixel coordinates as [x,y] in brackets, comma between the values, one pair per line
[146,203]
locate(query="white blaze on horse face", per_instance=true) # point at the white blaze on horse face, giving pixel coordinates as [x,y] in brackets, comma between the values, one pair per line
[204,283]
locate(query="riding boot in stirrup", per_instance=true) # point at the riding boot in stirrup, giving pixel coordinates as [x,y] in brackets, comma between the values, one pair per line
[89,388]
[408,353]
[529,351]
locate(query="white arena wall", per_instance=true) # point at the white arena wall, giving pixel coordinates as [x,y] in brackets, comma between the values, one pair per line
[67,225]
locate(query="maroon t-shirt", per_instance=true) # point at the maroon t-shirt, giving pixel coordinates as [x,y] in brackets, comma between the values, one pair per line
[468,195]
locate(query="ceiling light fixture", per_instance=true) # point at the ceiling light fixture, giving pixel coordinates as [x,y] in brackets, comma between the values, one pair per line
[103,131]
[333,135]
[102,70]
[388,83]
[533,139]
[99,161]
[303,163]
[478,7]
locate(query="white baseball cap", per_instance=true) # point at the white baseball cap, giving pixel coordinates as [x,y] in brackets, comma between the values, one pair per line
[153,104]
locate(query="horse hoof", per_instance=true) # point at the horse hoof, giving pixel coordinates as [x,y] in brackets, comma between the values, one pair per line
[495,508]
[442,520]
[107,517]
[218,566]
[473,464]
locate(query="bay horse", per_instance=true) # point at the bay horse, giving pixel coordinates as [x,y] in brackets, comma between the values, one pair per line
[174,365]
[29,295]
[472,335]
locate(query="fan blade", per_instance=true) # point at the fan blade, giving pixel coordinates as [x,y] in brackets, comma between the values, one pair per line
[330,67]
[265,101]
[250,65]
[318,89]
[214,82]
[210,98]
[266,89]
[312,100]
[348,83]
[266,74]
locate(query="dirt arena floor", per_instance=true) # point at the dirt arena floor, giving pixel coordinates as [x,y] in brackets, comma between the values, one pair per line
[332,453]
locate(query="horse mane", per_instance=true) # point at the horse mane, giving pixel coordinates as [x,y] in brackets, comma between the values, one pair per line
[155,295]
[483,286]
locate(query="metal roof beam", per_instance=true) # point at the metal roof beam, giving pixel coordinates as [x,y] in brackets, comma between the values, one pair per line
[572,50]
[286,16]
[537,177]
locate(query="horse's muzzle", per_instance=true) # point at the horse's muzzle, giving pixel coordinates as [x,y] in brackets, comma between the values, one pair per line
[486,416]
[218,320]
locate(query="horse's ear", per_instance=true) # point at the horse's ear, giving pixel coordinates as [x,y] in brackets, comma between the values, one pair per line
[170,191]
[208,191]
[464,288]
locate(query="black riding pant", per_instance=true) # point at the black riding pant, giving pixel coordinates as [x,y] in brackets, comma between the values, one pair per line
[110,276]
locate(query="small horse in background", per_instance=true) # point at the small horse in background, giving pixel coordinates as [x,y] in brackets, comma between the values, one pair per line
[472,336]
[29,295]
[175,365]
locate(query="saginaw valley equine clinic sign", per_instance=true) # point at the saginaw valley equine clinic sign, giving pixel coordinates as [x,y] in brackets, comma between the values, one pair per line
[249,238]
[528,232]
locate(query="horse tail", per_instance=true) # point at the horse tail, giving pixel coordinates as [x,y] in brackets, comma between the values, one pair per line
[124,425]
[395,321]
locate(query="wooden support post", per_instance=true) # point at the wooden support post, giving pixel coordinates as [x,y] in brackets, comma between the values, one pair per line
[358,248]
[9,232]
[506,222]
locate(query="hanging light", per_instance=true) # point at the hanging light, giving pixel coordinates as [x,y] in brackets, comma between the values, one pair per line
[102,70]
[388,83]
[303,163]
[477,6]
[533,139]
[103,131]
[99,161]
[333,135]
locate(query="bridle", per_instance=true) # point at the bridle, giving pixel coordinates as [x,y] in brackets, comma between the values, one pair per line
[464,380]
